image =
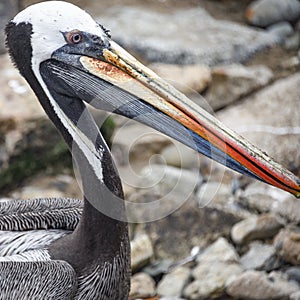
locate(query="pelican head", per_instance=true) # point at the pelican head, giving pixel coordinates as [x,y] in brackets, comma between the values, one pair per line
[69,59]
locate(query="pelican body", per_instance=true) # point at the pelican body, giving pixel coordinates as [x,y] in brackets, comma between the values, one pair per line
[72,249]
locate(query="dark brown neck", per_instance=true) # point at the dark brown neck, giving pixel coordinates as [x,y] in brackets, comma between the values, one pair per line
[102,231]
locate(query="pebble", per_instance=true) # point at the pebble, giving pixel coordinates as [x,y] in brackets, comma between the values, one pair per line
[142,286]
[287,245]
[210,279]
[141,251]
[257,256]
[295,296]
[180,156]
[189,36]
[257,285]
[172,284]
[186,228]
[289,208]
[184,77]
[217,264]
[170,181]
[266,12]
[231,82]
[292,42]
[262,198]
[293,273]
[281,29]
[214,193]
[220,250]
[256,227]
[134,142]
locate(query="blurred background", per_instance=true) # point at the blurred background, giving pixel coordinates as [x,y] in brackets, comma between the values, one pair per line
[240,60]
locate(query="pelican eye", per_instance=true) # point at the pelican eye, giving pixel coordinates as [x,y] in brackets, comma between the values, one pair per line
[74,37]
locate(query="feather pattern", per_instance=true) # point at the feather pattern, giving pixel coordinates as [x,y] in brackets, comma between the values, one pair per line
[37,280]
[54,213]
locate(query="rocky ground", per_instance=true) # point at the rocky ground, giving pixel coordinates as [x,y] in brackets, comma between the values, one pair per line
[216,234]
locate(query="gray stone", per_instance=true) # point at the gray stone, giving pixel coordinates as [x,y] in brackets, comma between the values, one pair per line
[135,146]
[44,186]
[295,296]
[293,273]
[266,12]
[17,101]
[292,42]
[270,121]
[142,286]
[256,227]
[179,155]
[184,78]
[170,181]
[8,9]
[186,36]
[136,142]
[287,245]
[289,208]
[255,285]
[141,251]
[261,197]
[214,193]
[281,29]
[194,226]
[158,268]
[172,284]
[220,250]
[230,83]
[220,195]
[210,279]
[257,256]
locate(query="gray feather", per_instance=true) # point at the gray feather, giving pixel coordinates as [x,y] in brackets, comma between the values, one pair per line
[54,213]
[16,242]
[37,280]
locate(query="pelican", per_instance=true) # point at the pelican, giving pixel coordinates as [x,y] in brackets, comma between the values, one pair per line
[69,60]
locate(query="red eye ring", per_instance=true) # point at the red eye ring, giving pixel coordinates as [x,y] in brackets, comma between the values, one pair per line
[75,37]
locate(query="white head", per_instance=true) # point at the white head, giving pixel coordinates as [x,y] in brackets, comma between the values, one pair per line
[49,20]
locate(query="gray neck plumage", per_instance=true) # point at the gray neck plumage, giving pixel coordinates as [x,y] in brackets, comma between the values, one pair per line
[102,232]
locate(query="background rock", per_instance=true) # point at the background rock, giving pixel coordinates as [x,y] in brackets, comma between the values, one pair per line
[194,226]
[190,36]
[289,208]
[178,155]
[231,82]
[270,121]
[282,29]
[172,284]
[257,256]
[8,9]
[272,286]
[141,251]
[256,227]
[210,279]
[287,245]
[142,286]
[184,78]
[220,250]
[266,12]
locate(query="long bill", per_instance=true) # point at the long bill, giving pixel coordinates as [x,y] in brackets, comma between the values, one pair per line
[119,83]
